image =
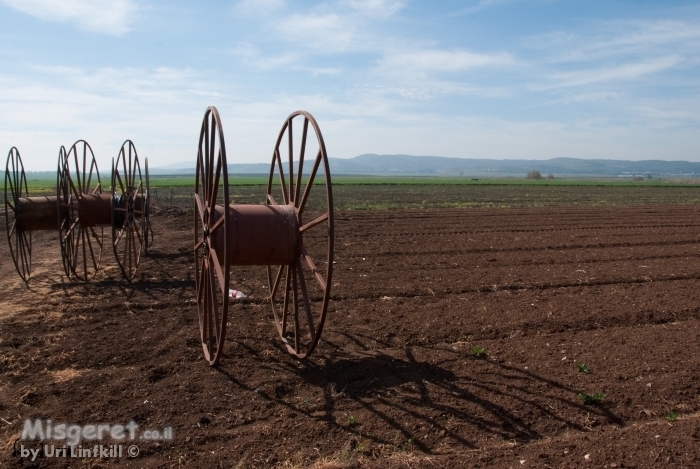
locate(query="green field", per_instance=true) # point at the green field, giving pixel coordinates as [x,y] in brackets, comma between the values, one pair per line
[424,192]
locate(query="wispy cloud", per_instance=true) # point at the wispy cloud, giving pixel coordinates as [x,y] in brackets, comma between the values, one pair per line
[437,60]
[99,16]
[252,8]
[328,32]
[376,8]
[481,5]
[630,71]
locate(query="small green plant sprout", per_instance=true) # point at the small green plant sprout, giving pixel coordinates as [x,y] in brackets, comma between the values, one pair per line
[583,368]
[672,416]
[479,352]
[352,420]
[305,402]
[592,399]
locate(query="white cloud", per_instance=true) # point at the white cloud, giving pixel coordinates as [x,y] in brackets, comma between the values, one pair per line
[380,8]
[630,71]
[100,16]
[258,7]
[482,5]
[441,61]
[329,32]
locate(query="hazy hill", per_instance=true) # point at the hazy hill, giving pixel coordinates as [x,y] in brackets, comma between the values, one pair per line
[438,165]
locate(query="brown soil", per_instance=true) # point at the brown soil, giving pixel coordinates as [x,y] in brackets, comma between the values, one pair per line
[394,381]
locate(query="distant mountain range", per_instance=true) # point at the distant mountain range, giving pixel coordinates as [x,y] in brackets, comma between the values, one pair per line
[371,164]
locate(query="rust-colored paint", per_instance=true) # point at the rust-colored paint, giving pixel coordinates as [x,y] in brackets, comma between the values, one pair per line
[258,234]
[95,209]
[37,213]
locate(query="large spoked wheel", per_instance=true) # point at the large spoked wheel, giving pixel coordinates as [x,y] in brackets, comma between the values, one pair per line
[302,289]
[128,210]
[81,246]
[20,241]
[212,269]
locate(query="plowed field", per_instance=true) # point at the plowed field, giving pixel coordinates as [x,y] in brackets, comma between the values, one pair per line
[562,301]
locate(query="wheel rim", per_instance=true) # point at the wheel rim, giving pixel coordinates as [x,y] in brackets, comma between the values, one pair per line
[20,241]
[308,279]
[81,247]
[211,273]
[128,210]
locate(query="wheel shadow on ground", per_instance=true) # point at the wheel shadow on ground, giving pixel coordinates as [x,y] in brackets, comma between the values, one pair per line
[462,403]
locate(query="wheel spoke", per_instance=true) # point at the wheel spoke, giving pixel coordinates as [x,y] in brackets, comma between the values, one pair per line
[200,209]
[85,269]
[210,156]
[75,240]
[217,266]
[119,178]
[215,186]
[12,207]
[87,186]
[122,230]
[132,244]
[97,188]
[198,245]
[72,186]
[310,182]
[271,199]
[314,222]
[126,172]
[281,173]
[138,235]
[277,282]
[23,247]
[200,284]
[12,228]
[84,187]
[209,312]
[215,309]
[312,266]
[288,281]
[305,297]
[92,252]
[97,238]
[301,161]
[291,161]
[70,230]
[296,311]
[217,224]
[8,178]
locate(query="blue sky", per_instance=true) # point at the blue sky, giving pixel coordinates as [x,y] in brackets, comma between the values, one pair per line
[483,79]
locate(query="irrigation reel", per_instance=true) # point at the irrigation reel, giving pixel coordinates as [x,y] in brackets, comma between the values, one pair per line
[298,253]
[80,211]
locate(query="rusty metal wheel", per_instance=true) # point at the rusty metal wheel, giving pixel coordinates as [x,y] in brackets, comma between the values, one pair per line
[81,243]
[20,241]
[308,278]
[211,271]
[128,210]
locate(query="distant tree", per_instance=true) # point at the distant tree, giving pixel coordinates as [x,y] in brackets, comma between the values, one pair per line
[637,178]
[550,176]
[649,176]
[534,174]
